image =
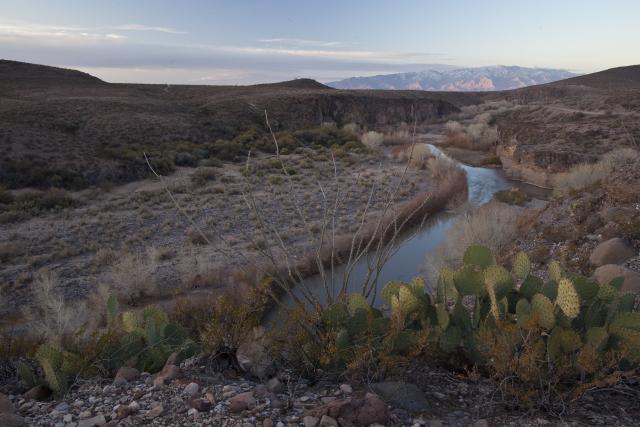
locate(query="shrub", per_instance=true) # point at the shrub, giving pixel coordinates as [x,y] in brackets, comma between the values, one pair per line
[35,201]
[440,167]
[203,175]
[6,197]
[584,175]
[372,140]
[493,225]
[132,277]
[478,135]
[51,316]
[353,128]
[513,196]
[230,321]
[185,159]
[398,137]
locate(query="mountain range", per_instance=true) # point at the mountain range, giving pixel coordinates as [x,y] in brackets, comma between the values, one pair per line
[497,77]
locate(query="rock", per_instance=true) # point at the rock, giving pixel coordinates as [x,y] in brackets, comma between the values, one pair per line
[327,421]
[191,412]
[253,356]
[481,423]
[310,421]
[267,422]
[96,421]
[604,274]
[84,414]
[242,401]
[39,392]
[274,385]
[210,397]
[402,395]
[612,251]
[191,389]
[168,373]
[346,388]
[155,411]
[134,407]
[123,411]
[62,407]
[126,373]
[202,405]
[358,412]
[67,418]
[6,406]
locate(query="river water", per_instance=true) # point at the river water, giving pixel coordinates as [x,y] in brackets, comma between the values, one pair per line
[410,252]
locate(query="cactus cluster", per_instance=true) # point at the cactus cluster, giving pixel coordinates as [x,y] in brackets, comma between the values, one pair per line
[568,316]
[144,341]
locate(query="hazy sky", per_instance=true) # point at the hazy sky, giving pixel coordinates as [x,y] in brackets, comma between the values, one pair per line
[223,42]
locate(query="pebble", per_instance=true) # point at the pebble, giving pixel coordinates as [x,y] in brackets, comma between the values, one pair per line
[191,389]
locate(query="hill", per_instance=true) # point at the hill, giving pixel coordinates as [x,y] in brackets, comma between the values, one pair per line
[461,79]
[67,128]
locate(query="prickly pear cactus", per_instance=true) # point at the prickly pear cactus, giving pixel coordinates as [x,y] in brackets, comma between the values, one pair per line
[555,271]
[112,311]
[542,309]
[469,280]
[568,299]
[523,313]
[443,316]
[478,255]
[446,289]
[130,321]
[357,301]
[50,359]
[522,265]
[606,293]
[531,286]
[498,279]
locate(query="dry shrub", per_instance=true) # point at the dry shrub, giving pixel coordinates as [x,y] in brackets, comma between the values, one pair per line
[416,154]
[11,250]
[493,225]
[579,177]
[203,175]
[372,140]
[230,321]
[51,316]
[478,135]
[397,137]
[352,127]
[585,175]
[441,167]
[104,257]
[132,277]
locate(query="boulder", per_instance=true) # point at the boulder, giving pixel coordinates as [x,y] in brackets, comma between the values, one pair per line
[357,412]
[253,356]
[168,373]
[241,402]
[606,273]
[612,251]
[126,373]
[39,392]
[403,395]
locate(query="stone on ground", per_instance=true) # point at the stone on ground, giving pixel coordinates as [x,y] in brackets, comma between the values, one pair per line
[612,251]
[403,395]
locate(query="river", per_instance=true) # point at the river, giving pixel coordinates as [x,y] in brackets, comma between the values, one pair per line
[410,252]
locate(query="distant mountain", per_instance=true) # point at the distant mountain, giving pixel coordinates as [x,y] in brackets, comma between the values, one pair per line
[498,77]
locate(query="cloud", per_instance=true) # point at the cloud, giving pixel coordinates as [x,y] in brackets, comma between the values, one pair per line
[139,27]
[324,53]
[301,42]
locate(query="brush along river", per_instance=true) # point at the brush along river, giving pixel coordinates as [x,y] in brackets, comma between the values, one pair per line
[409,253]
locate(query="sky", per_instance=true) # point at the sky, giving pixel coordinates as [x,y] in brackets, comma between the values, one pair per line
[244,42]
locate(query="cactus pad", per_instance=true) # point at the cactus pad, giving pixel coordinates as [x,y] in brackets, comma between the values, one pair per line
[357,301]
[568,299]
[469,281]
[522,265]
[542,309]
[499,279]
[555,271]
[523,313]
[478,255]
